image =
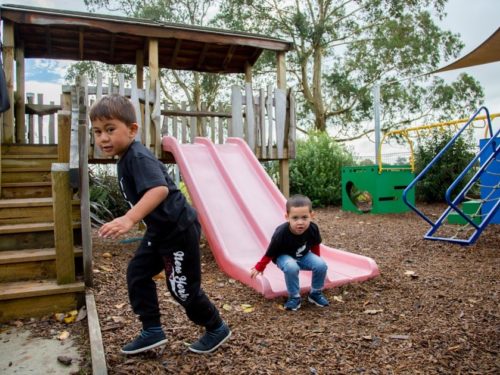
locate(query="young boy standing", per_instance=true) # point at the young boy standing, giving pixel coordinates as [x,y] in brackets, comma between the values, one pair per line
[295,246]
[171,241]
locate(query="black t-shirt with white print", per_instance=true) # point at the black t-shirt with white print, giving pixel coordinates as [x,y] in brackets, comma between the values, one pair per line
[138,171]
[284,241]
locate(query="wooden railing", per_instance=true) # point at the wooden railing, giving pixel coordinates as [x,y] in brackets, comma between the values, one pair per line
[264,118]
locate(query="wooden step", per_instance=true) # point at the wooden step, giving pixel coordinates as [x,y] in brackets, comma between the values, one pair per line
[35,174]
[31,210]
[26,228]
[24,289]
[29,236]
[24,299]
[28,157]
[31,255]
[27,149]
[31,264]
[35,202]
[14,190]
[36,161]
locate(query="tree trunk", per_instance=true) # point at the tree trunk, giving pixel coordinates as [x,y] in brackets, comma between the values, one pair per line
[318,102]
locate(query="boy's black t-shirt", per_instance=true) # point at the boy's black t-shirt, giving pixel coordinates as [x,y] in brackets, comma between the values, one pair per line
[284,241]
[138,171]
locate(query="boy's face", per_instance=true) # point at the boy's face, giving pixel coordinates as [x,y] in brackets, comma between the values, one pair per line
[113,136]
[299,219]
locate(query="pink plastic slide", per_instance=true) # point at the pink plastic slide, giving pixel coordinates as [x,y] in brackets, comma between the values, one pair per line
[239,207]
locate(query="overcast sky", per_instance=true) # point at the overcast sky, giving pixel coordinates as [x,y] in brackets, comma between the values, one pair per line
[475,21]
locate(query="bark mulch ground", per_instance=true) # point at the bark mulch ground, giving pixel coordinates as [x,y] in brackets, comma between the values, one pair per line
[434,309]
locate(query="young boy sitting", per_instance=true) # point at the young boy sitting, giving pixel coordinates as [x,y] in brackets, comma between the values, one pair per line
[295,246]
[171,242]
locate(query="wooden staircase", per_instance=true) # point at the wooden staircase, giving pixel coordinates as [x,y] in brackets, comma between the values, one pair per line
[35,279]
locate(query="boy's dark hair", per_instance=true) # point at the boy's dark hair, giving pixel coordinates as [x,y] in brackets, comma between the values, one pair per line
[113,107]
[298,200]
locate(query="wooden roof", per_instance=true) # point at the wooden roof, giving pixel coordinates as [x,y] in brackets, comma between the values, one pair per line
[56,34]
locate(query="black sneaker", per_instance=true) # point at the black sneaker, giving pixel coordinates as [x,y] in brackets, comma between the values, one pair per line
[318,299]
[292,304]
[211,340]
[144,341]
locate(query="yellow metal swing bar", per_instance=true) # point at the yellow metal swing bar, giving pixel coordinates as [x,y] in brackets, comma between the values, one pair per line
[407,133]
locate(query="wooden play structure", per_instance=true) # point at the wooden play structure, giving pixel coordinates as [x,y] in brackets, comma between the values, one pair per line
[45,232]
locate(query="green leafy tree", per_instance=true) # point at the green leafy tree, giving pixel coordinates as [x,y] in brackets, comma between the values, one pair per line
[343,47]
[194,88]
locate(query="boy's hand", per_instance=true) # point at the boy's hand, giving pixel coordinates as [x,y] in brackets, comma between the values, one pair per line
[254,272]
[116,227]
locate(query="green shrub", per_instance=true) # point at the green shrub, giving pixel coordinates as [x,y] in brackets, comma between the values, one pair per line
[433,186]
[106,199]
[316,170]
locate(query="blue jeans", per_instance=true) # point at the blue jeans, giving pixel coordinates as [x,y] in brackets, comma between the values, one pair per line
[291,267]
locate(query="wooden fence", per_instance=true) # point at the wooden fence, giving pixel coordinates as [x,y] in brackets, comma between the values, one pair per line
[264,118]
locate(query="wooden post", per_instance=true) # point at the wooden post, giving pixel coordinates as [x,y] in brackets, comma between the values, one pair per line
[249,117]
[52,131]
[66,101]
[146,131]
[269,110]
[284,170]
[280,119]
[63,224]
[63,135]
[248,73]
[40,121]
[153,62]
[262,122]
[292,125]
[212,129]
[8,66]
[31,121]
[236,112]
[139,68]
[154,75]
[193,126]
[156,122]
[121,84]
[281,70]
[134,98]
[184,123]
[220,124]
[20,95]
[83,151]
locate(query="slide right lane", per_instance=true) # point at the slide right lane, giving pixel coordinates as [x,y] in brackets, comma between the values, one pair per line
[267,204]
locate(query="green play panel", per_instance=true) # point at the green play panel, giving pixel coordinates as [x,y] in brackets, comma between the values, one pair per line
[364,189]
[470,208]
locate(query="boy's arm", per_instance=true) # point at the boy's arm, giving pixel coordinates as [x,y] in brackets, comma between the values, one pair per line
[260,266]
[315,249]
[121,225]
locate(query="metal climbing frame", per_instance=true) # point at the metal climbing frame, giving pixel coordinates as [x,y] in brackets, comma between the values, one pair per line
[408,133]
[489,153]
